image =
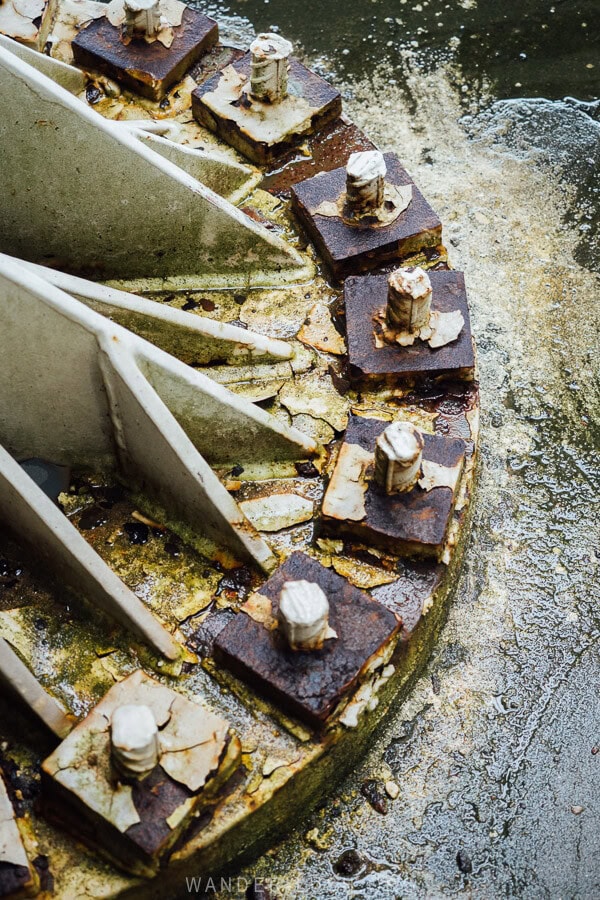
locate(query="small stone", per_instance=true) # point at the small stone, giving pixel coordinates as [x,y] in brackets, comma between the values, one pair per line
[306,469]
[577,810]
[374,793]
[392,789]
[92,517]
[463,861]
[137,532]
[348,864]
[93,94]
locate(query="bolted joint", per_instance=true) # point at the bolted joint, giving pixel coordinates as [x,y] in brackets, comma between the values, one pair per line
[142,18]
[365,181]
[269,72]
[304,615]
[398,457]
[409,299]
[134,740]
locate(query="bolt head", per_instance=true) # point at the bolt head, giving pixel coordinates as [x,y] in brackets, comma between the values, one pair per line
[134,739]
[365,166]
[269,46]
[303,613]
[402,443]
[411,282]
[137,6]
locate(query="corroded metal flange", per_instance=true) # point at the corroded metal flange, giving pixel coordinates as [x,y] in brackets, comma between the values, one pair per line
[197,455]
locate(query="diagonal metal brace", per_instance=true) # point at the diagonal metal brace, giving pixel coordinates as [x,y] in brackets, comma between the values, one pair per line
[16,678]
[39,524]
[189,337]
[93,196]
[117,402]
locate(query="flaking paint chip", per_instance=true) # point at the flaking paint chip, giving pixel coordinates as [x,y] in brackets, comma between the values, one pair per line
[277,511]
[319,331]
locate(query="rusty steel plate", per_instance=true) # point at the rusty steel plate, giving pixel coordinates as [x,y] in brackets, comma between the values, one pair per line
[373,361]
[328,149]
[311,103]
[351,249]
[307,684]
[414,523]
[149,69]
[135,824]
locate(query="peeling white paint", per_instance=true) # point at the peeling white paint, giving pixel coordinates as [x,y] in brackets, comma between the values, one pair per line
[445,327]
[12,850]
[365,698]
[436,475]
[277,511]
[192,743]
[263,122]
[170,16]
[319,331]
[345,497]
[396,198]
[16,19]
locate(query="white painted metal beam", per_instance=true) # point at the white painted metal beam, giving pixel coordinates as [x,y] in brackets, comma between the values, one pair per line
[16,677]
[68,77]
[222,174]
[89,195]
[80,390]
[189,337]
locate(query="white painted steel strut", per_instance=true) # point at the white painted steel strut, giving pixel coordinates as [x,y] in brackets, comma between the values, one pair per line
[93,195]
[189,337]
[80,390]
[16,677]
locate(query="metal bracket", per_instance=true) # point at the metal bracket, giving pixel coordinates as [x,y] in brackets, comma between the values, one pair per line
[191,338]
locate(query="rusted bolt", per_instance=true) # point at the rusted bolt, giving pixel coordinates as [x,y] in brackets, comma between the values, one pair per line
[142,18]
[269,74]
[134,740]
[409,299]
[398,457]
[303,614]
[365,181]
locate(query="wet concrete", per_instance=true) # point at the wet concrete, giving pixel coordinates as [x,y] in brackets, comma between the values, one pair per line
[495,753]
